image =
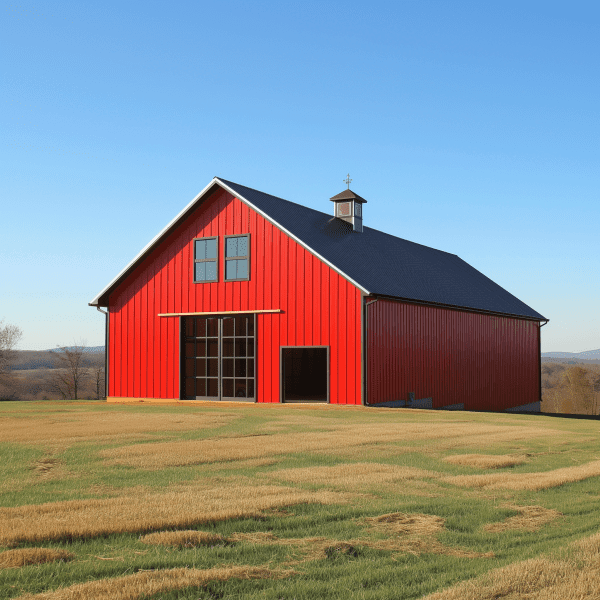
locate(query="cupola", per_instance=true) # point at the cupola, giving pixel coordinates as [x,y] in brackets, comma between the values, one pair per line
[348,207]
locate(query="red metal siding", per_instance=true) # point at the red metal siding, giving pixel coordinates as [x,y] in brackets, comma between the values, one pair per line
[452,356]
[319,306]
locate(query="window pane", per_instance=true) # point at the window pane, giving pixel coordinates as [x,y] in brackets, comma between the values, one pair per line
[232,247]
[344,209]
[242,268]
[200,251]
[201,348]
[230,270]
[200,367]
[213,348]
[228,388]
[228,326]
[240,347]
[250,372]
[211,249]
[212,327]
[250,325]
[228,367]
[200,327]
[240,388]
[211,271]
[213,387]
[213,367]
[200,272]
[227,347]
[242,246]
[250,390]
[240,326]
[250,347]
[190,351]
[200,387]
[240,367]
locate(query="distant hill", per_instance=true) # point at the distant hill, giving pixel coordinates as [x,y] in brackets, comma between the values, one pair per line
[86,350]
[44,359]
[587,355]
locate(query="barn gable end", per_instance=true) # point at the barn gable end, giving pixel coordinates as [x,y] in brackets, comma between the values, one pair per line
[144,348]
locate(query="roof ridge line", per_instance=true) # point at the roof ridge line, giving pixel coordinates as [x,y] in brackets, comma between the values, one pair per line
[226,181]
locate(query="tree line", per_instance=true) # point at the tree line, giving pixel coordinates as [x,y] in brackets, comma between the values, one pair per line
[69,372]
[571,390]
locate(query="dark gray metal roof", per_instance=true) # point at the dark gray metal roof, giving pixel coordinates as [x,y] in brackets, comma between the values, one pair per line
[387,265]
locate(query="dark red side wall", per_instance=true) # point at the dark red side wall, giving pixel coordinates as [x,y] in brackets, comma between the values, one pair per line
[452,356]
[319,306]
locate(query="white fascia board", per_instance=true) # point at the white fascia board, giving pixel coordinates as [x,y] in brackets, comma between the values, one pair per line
[296,239]
[157,238]
[153,242]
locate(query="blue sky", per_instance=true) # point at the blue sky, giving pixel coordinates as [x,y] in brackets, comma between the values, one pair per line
[472,127]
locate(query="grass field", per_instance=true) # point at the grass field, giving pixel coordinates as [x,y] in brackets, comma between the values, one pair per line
[295,502]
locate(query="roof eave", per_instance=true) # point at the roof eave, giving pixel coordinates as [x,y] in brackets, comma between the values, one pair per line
[463,308]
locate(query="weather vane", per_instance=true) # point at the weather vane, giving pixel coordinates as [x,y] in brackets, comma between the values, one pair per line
[348,180]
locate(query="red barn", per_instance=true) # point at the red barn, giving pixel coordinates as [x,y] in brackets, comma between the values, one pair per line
[245,296]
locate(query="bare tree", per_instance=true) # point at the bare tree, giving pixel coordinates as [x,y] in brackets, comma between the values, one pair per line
[97,370]
[10,336]
[72,371]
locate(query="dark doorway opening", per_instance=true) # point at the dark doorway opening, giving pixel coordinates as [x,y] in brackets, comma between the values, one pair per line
[305,374]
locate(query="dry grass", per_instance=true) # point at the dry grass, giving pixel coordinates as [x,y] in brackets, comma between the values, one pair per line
[530,519]
[438,435]
[98,426]
[181,507]
[183,539]
[407,524]
[22,557]
[576,577]
[405,533]
[486,461]
[528,481]
[351,476]
[415,534]
[146,583]
[313,548]
[45,467]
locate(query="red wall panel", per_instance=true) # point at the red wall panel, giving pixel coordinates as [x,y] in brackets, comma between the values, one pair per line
[451,356]
[319,306]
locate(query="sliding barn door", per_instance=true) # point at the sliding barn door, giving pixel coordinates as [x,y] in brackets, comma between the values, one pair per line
[218,358]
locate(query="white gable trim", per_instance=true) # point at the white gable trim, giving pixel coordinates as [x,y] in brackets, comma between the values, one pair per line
[198,197]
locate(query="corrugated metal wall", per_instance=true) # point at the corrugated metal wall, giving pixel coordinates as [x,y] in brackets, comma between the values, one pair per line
[320,307]
[452,356]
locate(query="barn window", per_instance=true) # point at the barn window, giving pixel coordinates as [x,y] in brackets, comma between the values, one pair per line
[205,259]
[237,257]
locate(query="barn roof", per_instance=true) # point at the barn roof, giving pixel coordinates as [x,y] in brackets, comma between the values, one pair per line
[378,263]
